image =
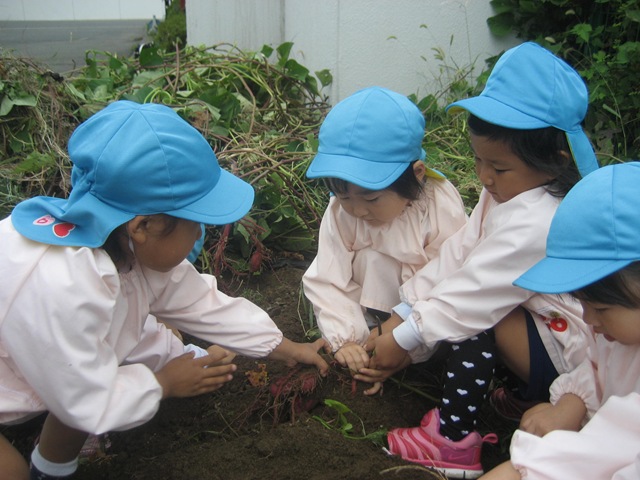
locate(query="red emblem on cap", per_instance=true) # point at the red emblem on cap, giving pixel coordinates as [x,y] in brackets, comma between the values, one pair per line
[44,220]
[61,230]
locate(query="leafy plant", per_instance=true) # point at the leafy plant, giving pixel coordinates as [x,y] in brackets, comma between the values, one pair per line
[344,425]
[601,39]
[261,117]
[172,32]
[446,140]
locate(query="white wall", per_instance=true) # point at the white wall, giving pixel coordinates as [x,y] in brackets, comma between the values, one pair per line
[28,10]
[362,42]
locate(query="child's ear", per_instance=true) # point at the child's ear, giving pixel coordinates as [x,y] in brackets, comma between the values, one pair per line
[567,160]
[419,170]
[137,228]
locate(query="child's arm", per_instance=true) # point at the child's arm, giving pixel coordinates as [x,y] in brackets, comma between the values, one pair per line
[504,471]
[328,282]
[606,446]
[567,414]
[468,287]
[293,353]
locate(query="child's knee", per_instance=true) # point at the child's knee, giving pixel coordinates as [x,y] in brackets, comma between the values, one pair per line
[12,464]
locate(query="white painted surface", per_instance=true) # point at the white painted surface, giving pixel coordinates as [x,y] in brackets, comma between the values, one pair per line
[362,42]
[54,10]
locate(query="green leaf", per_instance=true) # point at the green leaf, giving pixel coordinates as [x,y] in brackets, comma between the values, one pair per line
[5,106]
[266,51]
[337,406]
[325,77]
[8,103]
[284,50]
[149,57]
[296,70]
[26,101]
[628,52]
[582,31]
[139,95]
[500,25]
[633,15]
[35,162]
[155,78]
[74,91]
[500,6]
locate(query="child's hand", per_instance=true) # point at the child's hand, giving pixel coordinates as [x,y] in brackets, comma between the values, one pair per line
[566,414]
[186,376]
[386,354]
[385,327]
[216,351]
[293,353]
[353,356]
[378,376]
[387,358]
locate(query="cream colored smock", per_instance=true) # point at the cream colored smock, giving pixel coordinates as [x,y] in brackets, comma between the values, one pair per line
[468,287]
[608,446]
[362,266]
[74,338]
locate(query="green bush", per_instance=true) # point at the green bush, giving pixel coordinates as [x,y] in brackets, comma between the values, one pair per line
[260,111]
[172,32]
[600,39]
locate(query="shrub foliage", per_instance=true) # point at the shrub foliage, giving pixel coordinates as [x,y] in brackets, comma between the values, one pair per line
[601,39]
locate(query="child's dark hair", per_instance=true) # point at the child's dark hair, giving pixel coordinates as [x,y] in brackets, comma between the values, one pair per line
[620,288]
[112,244]
[541,149]
[406,185]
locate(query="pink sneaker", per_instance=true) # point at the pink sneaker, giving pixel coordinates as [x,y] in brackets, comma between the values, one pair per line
[425,445]
[508,406]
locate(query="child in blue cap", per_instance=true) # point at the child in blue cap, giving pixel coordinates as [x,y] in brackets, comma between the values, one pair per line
[593,252]
[387,216]
[79,278]
[530,149]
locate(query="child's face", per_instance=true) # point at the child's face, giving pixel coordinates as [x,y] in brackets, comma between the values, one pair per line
[501,172]
[615,322]
[375,207]
[162,252]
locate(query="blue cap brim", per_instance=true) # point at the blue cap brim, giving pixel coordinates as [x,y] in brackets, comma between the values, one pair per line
[93,220]
[228,201]
[493,111]
[560,275]
[364,173]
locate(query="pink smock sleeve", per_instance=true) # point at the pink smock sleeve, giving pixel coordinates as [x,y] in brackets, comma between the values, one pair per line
[157,345]
[328,282]
[468,287]
[610,369]
[192,303]
[606,448]
[65,333]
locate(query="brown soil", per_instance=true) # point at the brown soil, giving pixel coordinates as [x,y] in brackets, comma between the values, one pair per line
[241,432]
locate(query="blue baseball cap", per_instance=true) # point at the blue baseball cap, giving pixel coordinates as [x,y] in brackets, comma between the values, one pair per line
[134,159]
[530,87]
[369,139]
[594,233]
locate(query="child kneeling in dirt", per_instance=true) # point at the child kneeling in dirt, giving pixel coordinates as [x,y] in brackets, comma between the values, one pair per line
[80,276]
[387,216]
[601,267]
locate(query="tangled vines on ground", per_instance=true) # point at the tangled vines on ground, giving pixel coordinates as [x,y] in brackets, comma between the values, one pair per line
[260,116]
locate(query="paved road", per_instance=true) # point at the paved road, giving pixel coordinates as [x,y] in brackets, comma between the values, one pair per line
[62,45]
